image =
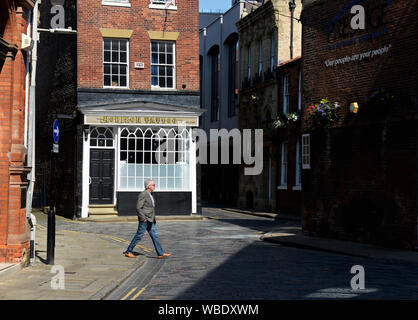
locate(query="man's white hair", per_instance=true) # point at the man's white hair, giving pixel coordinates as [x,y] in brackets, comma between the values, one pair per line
[147,183]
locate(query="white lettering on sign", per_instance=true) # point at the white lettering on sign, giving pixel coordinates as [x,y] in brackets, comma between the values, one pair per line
[358,57]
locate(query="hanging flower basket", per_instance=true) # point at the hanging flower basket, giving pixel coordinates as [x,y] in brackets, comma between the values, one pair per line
[324,114]
[284,120]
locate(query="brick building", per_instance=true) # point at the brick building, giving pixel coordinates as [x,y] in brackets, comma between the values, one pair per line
[137,89]
[360,181]
[14,239]
[289,159]
[265,42]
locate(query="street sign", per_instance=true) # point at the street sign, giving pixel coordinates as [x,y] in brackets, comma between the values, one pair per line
[55,148]
[56,131]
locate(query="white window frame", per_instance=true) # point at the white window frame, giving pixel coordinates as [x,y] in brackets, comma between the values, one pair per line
[300,91]
[110,129]
[161,4]
[174,88]
[125,63]
[283,166]
[272,52]
[249,62]
[298,173]
[286,102]
[306,151]
[116,3]
[173,140]
[260,57]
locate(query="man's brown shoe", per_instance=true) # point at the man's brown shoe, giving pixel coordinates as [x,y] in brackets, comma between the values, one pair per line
[129,255]
[165,255]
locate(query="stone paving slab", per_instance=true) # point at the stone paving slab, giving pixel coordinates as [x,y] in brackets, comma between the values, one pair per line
[93,266]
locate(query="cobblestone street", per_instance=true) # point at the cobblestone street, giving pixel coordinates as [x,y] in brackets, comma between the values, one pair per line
[223,258]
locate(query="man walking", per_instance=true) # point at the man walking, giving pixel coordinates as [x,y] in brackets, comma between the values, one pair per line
[145,208]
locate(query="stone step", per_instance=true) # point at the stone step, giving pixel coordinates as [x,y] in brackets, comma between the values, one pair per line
[102,210]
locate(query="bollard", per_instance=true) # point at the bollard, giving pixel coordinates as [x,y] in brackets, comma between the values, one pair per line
[32,223]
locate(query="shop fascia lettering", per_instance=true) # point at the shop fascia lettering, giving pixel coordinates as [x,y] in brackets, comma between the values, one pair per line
[148,120]
[357,17]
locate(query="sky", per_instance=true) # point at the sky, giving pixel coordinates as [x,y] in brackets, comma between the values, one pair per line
[216,5]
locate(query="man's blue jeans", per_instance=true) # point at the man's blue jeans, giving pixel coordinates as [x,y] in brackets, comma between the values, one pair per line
[152,230]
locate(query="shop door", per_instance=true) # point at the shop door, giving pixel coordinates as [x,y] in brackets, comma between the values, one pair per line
[101,176]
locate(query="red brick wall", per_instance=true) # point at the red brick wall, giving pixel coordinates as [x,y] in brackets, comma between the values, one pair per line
[289,200]
[139,18]
[362,184]
[13,236]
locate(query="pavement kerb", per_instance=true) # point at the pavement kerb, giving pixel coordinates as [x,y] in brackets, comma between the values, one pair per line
[341,247]
[13,268]
[135,219]
[263,214]
[100,295]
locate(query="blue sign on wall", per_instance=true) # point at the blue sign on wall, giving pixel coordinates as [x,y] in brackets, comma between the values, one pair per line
[56,131]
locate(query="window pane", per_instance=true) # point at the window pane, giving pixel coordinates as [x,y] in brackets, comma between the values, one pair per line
[161,71]
[115,56]
[106,45]
[115,69]
[123,45]
[154,70]
[123,156]
[115,81]
[154,46]
[123,57]
[162,58]
[169,59]
[154,81]
[123,81]
[154,58]
[107,56]
[106,69]
[106,80]
[162,82]
[169,82]
[169,71]
[169,47]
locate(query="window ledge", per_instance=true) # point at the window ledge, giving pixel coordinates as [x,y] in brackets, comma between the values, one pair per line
[116,88]
[163,89]
[282,187]
[116,4]
[162,7]
[297,188]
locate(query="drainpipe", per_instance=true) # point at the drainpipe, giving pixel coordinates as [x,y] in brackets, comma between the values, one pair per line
[31,118]
[292,6]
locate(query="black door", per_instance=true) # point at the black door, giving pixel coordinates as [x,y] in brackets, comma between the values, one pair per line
[102,176]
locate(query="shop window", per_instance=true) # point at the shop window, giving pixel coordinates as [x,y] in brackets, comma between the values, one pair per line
[115,62]
[163,65]
[158,154]
[101,137]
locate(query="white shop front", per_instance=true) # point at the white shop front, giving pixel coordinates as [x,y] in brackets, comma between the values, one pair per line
[125,144]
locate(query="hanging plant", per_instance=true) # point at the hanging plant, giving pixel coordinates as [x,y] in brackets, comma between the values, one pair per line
[323,114]
[284,120]
[379,102]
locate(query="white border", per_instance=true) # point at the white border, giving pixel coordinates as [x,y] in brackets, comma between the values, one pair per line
[116,3]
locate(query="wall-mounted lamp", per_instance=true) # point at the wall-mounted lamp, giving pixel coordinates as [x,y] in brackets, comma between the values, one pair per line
[86,129]
[354,107]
